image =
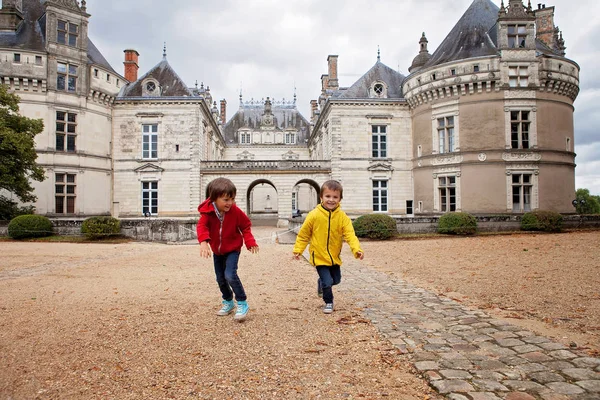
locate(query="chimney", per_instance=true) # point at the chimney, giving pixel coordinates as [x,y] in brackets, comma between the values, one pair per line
[223,111]
[333,73]
[313,109]
[544,25]
[11,15]
[131,65]
[324,82]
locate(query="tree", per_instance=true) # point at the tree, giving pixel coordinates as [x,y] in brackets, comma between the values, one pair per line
[17,149]
[586,203]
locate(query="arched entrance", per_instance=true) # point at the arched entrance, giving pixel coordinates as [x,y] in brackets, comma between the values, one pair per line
[305,196]
[262,202]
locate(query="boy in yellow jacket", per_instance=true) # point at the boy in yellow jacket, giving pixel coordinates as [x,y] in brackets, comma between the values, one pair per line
[326,227]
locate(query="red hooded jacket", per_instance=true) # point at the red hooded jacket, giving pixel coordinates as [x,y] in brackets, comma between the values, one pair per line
[227,236]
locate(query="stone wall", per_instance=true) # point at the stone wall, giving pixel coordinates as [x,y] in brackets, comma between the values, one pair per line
[179,230]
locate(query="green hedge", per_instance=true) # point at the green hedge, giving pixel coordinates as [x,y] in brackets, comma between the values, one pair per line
[375,226]
[457,223]
[547,221]
[101,227]
[29,226]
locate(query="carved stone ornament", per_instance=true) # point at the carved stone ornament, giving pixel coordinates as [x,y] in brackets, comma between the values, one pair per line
[482,157]
[149,168]
[511,157]
[450,159]
[245,155]
[419,163]
[380,166]
[72,4]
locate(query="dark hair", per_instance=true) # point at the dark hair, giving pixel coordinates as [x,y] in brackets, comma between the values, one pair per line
[333,186]
[220,187]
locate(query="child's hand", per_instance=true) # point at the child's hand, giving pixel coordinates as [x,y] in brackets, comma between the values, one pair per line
[253,250]
[205,250]
[296,256]
[360,255]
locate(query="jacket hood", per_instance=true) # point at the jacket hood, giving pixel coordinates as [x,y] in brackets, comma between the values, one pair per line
[206,207]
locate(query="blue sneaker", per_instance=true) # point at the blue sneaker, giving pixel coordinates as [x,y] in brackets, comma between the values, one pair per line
[328,309]
[242,311]
[227,308]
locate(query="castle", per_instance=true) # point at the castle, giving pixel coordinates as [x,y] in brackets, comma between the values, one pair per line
[483,124]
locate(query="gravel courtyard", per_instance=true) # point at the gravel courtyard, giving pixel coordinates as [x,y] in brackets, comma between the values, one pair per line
[137,320]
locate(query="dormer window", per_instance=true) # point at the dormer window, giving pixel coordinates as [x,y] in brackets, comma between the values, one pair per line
[379,89]
[433,77]
[475,68]
[150,88]
[67,33]
[516,36]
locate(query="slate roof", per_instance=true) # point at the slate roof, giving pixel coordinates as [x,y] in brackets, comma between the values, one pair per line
[470,36]
[171,84]
[250,116]
[32,31]
[379,72]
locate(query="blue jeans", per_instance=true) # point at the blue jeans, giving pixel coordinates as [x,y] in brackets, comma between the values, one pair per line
[226,267]
[329,276]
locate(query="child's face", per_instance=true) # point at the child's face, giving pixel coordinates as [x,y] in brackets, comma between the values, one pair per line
[224,203]
[330,198]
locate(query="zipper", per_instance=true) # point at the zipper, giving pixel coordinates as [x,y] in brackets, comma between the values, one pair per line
[221,232]
[328,235]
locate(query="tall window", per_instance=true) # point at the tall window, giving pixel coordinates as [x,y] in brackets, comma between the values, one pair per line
[519,129]
[150,141]
[66,129]
[294,201]
[290,138]
[447,189]
[379,141]
[518,76]
[245,137]
[380,196]
[446,134]
[66,78]
[521,192]
[67,33]
[64,193]
[516,36]
[150,198]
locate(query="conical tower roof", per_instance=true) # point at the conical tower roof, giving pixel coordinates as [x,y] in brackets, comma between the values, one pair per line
[470,36]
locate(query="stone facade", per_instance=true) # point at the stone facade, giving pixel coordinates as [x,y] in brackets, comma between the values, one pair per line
[482,125]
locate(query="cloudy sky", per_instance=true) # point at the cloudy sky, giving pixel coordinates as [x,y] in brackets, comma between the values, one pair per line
[273,47]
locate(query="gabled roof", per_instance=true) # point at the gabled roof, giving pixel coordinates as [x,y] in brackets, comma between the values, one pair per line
[249,115]
[469,37]
[170,83]
[379,72]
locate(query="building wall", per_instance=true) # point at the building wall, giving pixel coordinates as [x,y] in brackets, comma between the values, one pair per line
[348,127]
[181,133]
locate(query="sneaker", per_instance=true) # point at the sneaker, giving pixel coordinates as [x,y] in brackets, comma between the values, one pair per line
[328,309]
[319,288]
[227,308]
[242,311]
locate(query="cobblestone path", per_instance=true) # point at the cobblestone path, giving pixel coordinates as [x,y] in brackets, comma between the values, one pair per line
[464,353]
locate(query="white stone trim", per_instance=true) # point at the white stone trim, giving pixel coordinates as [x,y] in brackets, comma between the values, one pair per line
[521,105]
[522,169]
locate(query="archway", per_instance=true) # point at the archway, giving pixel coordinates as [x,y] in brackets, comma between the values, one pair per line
[305,196]
[262,202]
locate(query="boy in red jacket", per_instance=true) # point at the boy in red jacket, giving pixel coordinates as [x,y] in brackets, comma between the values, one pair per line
[226,228]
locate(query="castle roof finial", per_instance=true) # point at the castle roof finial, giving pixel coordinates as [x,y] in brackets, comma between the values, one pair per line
[378,54]
[165,50]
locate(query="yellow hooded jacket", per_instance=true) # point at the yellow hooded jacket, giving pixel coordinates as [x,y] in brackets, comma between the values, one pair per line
[326,230]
